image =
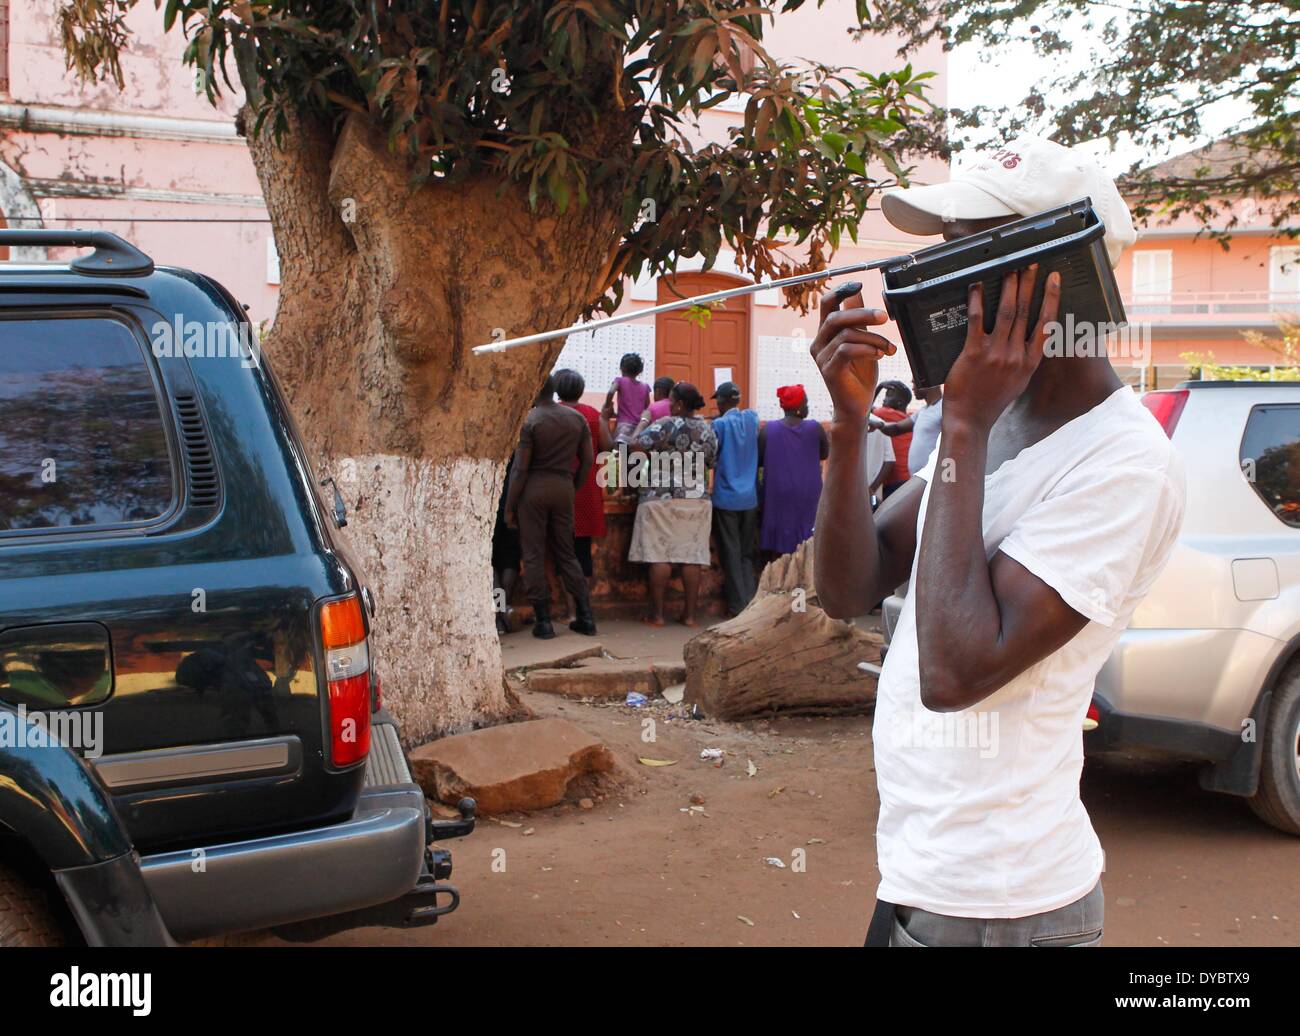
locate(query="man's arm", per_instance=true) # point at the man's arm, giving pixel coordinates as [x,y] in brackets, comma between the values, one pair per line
[518,476]
[893,428]
[980,623]
[823,443]
[858,558]
[586,458]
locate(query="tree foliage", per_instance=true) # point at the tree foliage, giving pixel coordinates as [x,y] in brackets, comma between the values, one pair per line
[573,98]
[1286,348]
[1164,69]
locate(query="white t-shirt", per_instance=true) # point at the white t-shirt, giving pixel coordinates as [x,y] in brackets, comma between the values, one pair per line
[980,814]
[926,424]
[879,450]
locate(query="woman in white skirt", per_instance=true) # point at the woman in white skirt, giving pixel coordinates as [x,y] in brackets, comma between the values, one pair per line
[674,514]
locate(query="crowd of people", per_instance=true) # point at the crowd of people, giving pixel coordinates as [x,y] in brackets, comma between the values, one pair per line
[751,487]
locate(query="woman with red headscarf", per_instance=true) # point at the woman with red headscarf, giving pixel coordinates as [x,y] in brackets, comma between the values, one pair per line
[790,452]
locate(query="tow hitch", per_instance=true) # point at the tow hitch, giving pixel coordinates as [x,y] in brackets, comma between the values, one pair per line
[420,906]
[441,830]
[421,903]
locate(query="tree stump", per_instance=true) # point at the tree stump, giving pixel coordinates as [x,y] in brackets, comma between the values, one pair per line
[782,655]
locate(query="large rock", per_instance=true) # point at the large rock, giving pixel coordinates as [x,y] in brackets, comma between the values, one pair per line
[514,767]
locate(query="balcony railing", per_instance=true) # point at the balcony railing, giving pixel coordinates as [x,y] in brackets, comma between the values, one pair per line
[1213,307]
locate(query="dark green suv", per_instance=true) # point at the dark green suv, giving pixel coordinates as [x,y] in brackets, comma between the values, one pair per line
[191,736]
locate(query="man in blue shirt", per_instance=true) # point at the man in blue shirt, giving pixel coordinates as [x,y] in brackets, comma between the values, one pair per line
[735,495]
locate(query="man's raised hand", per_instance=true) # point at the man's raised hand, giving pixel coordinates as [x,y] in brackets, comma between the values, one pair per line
[848,355]
[995,366]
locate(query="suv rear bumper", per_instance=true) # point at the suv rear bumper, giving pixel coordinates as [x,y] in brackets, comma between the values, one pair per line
[376,859]
[372,858]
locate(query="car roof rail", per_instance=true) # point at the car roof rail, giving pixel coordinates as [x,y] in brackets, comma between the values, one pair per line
[111,254]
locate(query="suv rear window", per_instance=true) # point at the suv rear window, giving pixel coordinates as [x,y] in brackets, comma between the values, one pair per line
[1270,458]
[82,440]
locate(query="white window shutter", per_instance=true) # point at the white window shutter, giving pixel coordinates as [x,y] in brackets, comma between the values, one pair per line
[1153,272]
[1284,270]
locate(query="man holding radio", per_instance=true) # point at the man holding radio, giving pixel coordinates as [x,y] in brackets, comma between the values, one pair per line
[1048,508]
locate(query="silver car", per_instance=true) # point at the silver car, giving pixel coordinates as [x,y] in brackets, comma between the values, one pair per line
[1209,669]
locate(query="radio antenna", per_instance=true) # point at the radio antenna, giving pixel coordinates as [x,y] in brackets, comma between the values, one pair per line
[667,307]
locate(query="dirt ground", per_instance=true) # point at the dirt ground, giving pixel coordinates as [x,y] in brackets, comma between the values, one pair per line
[643,868]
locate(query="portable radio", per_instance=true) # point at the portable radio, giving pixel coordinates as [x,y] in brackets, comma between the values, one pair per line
[925,292]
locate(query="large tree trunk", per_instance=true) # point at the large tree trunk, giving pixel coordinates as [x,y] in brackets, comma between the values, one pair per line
[386,286]
[782,655]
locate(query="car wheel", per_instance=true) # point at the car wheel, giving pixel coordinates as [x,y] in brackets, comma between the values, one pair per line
[1277,801]
[25,915]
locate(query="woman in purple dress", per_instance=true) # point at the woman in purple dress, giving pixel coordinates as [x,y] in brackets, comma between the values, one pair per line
[790,452]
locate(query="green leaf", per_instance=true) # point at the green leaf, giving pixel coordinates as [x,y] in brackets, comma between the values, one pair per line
[558,188]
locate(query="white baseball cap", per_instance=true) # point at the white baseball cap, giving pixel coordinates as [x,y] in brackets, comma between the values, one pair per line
[1019,178]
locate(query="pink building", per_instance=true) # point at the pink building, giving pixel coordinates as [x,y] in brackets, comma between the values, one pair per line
[1194,296]
[156,163]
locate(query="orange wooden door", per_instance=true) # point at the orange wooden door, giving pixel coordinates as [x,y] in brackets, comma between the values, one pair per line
[718,351]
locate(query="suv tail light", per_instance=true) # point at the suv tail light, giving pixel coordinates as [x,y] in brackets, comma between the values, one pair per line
[347,674]
[1167,406]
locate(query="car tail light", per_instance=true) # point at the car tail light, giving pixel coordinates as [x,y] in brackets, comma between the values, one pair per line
[347,674]
[1167,406]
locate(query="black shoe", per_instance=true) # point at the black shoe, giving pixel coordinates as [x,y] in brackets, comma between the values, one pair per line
[542,628]
[584,623]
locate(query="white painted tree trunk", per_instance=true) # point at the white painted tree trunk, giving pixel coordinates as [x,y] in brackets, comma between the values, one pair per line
[421,530]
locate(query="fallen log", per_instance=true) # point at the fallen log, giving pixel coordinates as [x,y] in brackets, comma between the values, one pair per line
[783,655]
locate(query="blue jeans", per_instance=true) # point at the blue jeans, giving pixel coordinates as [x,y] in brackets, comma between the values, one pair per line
[1076,924]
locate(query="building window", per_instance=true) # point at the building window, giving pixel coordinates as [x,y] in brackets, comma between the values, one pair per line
[1153,276]
[4,46]
[1284,277]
